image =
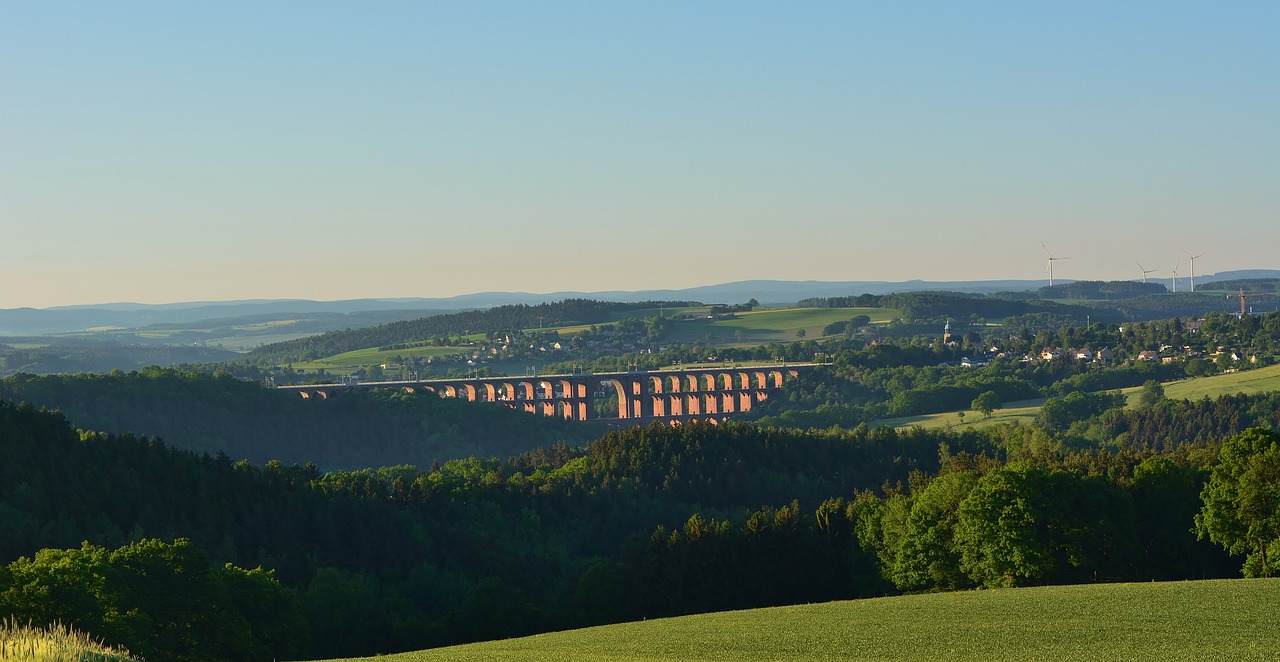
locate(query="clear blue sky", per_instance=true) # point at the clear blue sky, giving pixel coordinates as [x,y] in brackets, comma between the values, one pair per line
[162,151]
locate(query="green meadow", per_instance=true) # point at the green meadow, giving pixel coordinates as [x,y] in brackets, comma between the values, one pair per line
[746,328]
[772,325]
[1260,380]
[1204,620]
[664,311]
[1022,411]
[1247,381]
[374,356]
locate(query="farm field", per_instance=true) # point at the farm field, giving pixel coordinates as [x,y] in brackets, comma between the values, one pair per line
[1217,619]
[772,325]
[374,356]
[748,328]
[665,311]
[1021,411]
[1249,381]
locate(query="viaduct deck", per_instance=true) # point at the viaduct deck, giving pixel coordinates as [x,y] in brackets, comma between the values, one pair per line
[709,393]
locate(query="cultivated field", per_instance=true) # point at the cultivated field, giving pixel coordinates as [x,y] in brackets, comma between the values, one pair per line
[1205,620]
[1250,381]
[1022,411]
[747,329]
[374,356]
[772,325]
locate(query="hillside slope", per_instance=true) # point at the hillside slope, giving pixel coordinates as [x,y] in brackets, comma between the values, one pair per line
[246,420]
[1218,619]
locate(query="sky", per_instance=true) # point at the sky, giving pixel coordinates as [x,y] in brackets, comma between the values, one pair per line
[162,152]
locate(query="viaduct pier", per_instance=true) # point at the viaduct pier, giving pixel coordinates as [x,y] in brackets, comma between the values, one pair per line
[688,394]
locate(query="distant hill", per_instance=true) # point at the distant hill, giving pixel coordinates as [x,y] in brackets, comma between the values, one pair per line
[1239,275]
[67,319]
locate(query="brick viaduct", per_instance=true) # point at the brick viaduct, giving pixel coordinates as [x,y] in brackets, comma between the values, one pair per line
[694,394]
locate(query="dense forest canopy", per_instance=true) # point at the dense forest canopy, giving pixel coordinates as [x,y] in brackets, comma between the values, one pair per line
[484,522]
[644,522]
[246,420]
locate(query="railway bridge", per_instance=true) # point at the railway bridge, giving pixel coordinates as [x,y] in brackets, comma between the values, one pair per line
[687,394]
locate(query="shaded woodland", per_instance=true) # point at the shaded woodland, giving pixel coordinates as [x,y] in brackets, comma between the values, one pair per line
[246,420]
[641,523]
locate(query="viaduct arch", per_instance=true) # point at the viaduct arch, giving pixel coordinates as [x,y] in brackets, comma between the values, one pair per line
[693,394]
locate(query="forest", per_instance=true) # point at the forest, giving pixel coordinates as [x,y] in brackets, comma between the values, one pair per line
[246,420]
[381,521]
[640,523]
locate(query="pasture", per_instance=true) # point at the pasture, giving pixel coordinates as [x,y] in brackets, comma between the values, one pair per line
[374,356]
[772,325]
[1022,411]
[1217,619]
[1261,380]
[1248,381]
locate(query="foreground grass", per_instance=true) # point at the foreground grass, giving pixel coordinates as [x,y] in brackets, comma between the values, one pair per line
[24,643]
[1206,620]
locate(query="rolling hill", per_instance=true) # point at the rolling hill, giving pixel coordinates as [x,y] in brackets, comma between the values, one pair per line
[1219,619]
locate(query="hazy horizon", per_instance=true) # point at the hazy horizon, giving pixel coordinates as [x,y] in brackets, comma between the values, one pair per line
[168,153]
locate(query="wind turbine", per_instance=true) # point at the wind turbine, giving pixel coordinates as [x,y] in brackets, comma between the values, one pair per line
[1144,271]
[1048,265]
[1193,268]
[1175,276]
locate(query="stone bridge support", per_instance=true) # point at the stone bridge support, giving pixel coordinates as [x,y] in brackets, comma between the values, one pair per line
[710,394]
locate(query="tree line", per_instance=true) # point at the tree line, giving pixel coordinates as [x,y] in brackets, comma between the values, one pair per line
[500,318]
[246,420]
[642,522]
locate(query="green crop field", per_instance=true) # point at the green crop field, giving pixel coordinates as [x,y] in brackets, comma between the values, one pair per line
[1261,380]
[772,325]
[1248,381]
[374,356]
[664,311]
[1022,411]
[748,328]
[1205,620]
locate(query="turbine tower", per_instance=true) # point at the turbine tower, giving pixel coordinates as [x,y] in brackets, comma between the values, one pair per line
[1175,276]
[1193,269]
[1144,271]
[1048,265]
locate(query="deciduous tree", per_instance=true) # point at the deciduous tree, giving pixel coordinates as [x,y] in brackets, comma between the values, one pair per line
[1242,501]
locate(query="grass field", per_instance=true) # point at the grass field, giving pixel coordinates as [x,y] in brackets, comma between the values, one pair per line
[665,311]
[749,328]
[1023,411]
[1205,620]
[1261,380]
[1248,381]
[772,325]
[374,356]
